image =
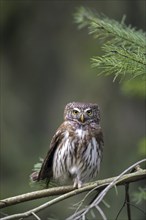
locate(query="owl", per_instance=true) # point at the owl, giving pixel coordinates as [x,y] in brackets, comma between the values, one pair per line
[76,148]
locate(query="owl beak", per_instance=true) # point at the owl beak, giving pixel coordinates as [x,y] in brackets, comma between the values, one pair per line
[82,118]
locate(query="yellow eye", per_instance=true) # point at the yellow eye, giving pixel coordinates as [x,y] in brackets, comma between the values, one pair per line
[89,112]
[75,112]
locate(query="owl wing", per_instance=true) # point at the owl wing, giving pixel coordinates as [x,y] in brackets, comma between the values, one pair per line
[46,171]
[99,139]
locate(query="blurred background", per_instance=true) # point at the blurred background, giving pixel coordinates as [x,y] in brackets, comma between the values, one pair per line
[45,63]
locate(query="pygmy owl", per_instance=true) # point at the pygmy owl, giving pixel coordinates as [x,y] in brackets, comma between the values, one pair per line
[76,148]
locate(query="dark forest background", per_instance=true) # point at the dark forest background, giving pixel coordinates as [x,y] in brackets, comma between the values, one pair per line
[45,63]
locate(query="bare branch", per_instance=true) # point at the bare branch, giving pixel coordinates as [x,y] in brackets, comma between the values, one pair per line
[35,216]
[68,191]
[116,180]
[127,200]
[132,177]
[107,188]
[101,212]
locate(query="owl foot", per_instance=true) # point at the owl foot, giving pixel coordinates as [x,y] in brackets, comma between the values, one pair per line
[77,184]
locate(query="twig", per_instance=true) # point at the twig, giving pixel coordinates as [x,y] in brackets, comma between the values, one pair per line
[101,212]
[103,193]
[127,200]
[120,211]
[35,216]
[136,207]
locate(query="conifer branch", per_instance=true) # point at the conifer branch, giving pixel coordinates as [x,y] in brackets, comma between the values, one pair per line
[123,46]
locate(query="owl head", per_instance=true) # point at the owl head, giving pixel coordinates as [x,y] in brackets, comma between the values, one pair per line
[82,112]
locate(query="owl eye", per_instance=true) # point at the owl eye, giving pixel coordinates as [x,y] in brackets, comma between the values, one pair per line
[75,112]
[89,112]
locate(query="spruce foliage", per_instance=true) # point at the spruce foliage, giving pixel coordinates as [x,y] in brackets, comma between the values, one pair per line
[123,47]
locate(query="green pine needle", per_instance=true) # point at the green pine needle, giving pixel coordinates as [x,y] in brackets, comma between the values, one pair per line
[42,183]
[123,47]
[140,195]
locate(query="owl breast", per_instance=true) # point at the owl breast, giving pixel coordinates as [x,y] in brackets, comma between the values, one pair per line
[77,157]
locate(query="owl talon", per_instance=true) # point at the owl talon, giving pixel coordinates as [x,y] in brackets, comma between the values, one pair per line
[77,184]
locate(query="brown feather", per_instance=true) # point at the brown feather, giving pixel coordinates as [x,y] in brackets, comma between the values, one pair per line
[46,171]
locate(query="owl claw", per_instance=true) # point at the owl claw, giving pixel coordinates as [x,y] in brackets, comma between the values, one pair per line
[77,184]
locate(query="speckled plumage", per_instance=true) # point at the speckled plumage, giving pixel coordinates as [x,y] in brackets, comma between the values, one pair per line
[76,148]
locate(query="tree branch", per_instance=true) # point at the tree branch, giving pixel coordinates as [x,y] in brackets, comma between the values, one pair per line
[127,178]
[102,185]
